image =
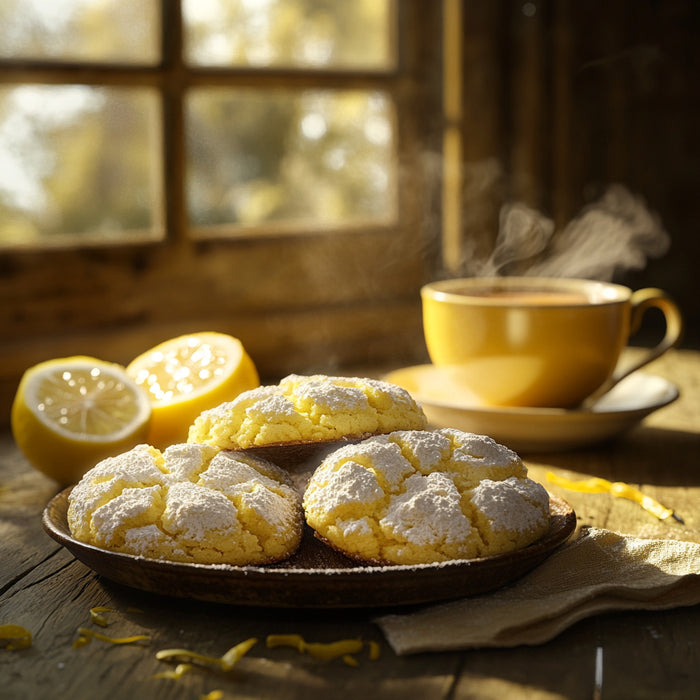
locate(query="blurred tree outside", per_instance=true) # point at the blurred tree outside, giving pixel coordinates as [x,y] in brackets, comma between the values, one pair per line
[301,33]
[101,31]
[76,161]
[315,157]
[85,163]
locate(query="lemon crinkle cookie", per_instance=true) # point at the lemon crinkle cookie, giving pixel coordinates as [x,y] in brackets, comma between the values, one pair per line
[304,409]
[190,503]
[413,497]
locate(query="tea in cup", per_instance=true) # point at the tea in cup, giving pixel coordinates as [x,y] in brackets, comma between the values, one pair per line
[538,342]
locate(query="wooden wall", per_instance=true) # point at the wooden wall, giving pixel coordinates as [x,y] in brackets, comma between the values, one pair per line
[565,98]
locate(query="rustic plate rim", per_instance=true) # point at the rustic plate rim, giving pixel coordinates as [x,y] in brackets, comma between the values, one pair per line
[562,525]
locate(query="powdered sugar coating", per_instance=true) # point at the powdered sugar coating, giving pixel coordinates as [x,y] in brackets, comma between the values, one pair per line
[303,409]
[428,512]
[511,505]
[418,496]
[191,503]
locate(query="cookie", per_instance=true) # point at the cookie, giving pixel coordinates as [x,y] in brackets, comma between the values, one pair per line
[308,409]
[190,503]
[421,497]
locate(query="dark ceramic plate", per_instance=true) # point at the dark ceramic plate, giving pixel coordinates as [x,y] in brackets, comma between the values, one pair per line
[316,576]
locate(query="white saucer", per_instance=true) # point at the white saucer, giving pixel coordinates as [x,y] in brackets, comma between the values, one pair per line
[535,429]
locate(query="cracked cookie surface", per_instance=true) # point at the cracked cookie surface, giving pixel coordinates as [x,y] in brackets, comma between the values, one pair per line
[189,503]
[413,497]
[305,409]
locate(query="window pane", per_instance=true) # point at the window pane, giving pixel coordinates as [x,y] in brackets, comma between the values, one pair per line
[316,158]
[109,31]
[290,33]
[78,164]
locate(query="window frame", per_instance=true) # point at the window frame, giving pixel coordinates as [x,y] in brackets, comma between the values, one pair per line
[114,301]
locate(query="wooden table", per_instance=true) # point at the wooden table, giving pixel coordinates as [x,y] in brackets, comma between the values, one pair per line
[646,654]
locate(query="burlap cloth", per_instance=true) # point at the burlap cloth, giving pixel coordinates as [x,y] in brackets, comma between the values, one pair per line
[597,571]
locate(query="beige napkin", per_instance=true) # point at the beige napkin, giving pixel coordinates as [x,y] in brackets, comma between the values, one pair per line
[598,571]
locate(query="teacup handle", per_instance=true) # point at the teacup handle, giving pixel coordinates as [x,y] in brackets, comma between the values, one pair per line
[640,301]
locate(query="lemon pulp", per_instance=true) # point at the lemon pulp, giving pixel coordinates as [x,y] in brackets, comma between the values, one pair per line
[84,402]
[188,374]
[70,413]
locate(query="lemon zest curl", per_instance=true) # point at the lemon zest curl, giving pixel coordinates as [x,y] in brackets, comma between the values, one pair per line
[179,672]
[213,695]
[318,650]
[96,616]
[619,489]
[85,635]
[225,662]
[14,637]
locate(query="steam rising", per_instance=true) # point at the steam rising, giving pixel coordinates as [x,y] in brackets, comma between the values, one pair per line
[615,234]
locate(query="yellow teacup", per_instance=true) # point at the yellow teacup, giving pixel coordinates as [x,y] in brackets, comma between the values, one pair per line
[533,341]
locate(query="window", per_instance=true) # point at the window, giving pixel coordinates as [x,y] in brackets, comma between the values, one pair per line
[253,167]
[324,158]
[78,164]
[302,34]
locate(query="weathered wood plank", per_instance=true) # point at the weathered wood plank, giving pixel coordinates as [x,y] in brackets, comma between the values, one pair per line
[644,654]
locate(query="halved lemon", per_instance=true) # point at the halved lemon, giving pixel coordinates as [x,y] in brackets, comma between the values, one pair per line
[187,375]
[72,412]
